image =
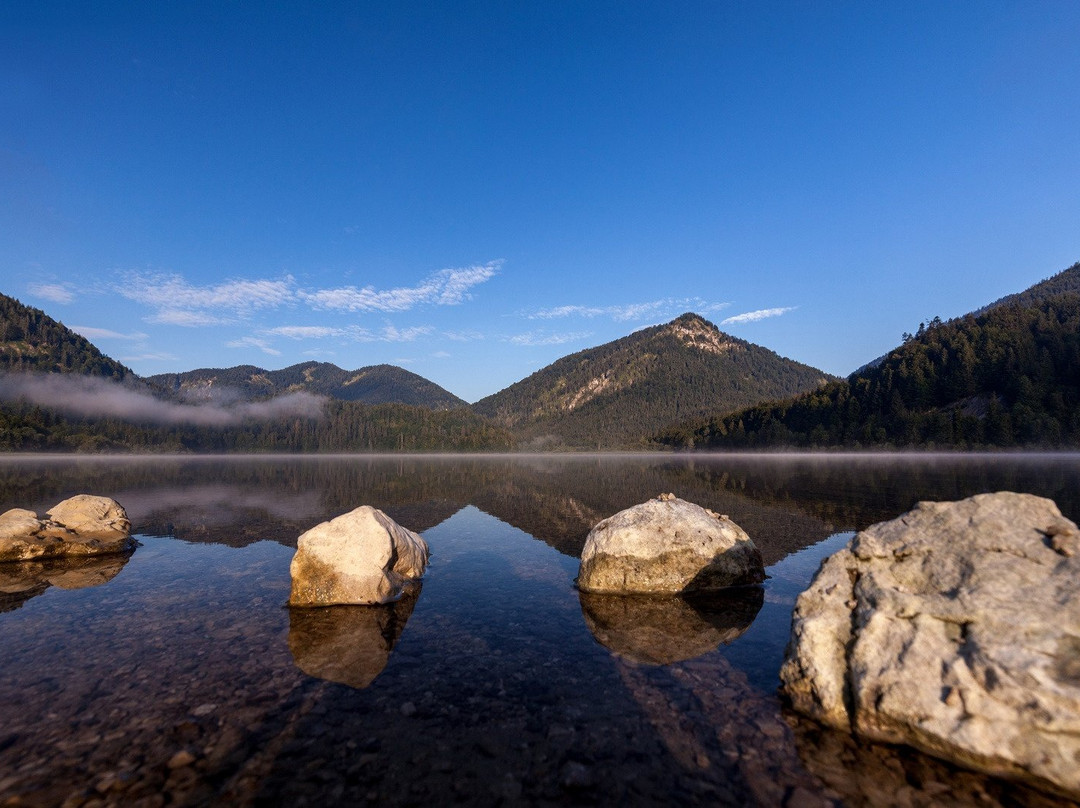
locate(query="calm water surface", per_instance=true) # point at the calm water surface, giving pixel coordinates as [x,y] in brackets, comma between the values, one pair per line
[177,675]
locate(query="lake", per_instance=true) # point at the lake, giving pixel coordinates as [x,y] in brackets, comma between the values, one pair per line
[177,675]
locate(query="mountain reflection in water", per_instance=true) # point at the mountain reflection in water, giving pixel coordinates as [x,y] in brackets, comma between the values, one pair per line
[186,679]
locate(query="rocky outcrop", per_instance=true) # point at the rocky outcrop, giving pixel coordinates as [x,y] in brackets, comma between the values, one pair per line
[80,526]
[954,629]
[361,557]
[667,545]
[349,644]
[663,629]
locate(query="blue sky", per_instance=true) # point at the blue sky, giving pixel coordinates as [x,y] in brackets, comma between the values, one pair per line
[472,190]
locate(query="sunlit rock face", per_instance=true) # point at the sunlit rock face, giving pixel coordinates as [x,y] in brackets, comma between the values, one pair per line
[954,629]
[80,526]
[667,545]
[349,644]
[26,579]
[361,557]
[662,629]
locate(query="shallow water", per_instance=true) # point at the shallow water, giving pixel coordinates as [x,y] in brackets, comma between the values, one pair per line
[176,675]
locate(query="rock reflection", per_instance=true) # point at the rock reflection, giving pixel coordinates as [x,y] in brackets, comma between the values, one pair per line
[664,630]
[22,580]
[349,644]
[862,773]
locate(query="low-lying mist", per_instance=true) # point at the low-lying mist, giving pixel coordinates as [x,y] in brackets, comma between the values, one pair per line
[90,397]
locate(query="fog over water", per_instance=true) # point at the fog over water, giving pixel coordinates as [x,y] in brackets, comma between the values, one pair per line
[98,398]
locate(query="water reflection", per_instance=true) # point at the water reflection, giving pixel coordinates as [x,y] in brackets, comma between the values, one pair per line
[22,580]
[864,773]
[349,644]
[664,630]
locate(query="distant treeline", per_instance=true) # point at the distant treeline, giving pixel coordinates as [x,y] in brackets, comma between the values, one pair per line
[345,426]
[1007,377]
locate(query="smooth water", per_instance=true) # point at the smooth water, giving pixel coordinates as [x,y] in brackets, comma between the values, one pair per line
[177,675]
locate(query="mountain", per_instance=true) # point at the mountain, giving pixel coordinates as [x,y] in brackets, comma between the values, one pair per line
[378,384]
[1009,376]
[617,394]
[63,394]
[31,340]
[1064,282]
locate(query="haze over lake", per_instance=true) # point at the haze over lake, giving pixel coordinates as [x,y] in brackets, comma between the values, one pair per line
[178,671]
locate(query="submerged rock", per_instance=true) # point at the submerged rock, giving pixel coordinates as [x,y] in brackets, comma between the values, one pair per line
[80,526]
[349,644]
[954,629]
[667,545]
[361,557]
[663,629]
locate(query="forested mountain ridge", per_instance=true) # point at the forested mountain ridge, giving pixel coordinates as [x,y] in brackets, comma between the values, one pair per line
[377,384]
[1068,280]
[341,426]
[31,340]
[1009,376]
[619,393]
[60,393]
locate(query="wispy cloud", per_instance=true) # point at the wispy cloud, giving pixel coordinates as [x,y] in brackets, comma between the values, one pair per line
[388,333]
[189,319]
[173,293]
[253,342]
[463,336]
[54,292]
[447,287]
[533,338]
[392,334]
[308,331]
[754,316]
[92,333]
[631,311]
[178,302]
[441,355]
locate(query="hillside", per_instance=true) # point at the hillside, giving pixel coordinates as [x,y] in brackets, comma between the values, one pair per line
[1068,280]
[617,394]
[1007,377]
[378,384]
[31,340]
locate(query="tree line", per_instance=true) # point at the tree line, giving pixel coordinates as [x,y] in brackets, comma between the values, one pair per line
[1007,377]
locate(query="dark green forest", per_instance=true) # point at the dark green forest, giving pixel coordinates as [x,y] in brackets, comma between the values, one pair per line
[344,427]
[616,395]
[30,340]
[1007,377]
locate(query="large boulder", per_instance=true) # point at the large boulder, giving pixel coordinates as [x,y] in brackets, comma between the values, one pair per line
[81,526]
[667,545]
[361,557]
[954,629]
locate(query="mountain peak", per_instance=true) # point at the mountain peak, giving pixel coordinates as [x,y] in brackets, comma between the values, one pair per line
[694,331]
